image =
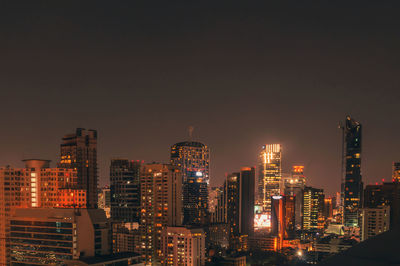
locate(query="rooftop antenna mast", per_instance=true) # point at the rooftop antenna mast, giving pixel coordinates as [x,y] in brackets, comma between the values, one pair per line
[190,130]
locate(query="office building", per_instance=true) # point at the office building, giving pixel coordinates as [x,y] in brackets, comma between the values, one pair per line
[239,189]
[36,185]
[313,206]
[47,236]
[293,185]
[161,206]
[79,152]
[269,175]
[193,158]
[374,221]
[328,208]
[382,195]
[353,186]
[183,246]
[125,237]
[125,190]
[283,217]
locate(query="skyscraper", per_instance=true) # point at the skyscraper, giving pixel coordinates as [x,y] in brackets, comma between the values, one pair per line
[294,186]
[353,186]
[283,217]
[313,210]
[239,189]
[269,175]
[374,221]
[193,159]
[125,190]
[79,152]
[161,206]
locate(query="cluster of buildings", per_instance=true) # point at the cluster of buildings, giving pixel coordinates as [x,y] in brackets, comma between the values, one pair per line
[167,213]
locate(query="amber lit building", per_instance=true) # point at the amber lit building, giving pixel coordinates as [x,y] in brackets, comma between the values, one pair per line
[161,206]
[283,217]
[396,172]
[36,185]
[269,175]
[293,185]
[104,200]
[313,202]
[52,236]
[183,246]
[193,159]
[79,152]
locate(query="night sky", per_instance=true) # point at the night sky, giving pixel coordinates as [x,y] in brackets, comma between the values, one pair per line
[242,74]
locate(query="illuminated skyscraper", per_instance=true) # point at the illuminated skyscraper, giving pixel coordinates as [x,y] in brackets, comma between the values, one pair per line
[269,175]
[353,186]
[293,185]
[79,152]
[161,194]
[193,158]
[313,208]
[283,217]
[125,190]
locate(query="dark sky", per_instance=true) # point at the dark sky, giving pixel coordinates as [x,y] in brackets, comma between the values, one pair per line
[141,72]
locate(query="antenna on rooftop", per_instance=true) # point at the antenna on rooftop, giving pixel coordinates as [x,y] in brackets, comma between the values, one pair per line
[190,130]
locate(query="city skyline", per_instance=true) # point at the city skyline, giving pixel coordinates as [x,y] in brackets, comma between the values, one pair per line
[243,76]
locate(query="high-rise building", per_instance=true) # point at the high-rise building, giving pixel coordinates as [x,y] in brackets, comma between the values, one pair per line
[374,221]
[353,186]
[125,190]
[193,158]
[239,189]
[79,152]
[36,185]
[183,246]
[396,172]
[161,206]
[283,217]
[382,195]
[328,208]
[293,185]
[269,175]
[104,200]
[45,236]
[313,208]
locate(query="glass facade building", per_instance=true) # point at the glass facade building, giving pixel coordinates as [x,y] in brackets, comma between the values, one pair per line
[353,186]
[193,158]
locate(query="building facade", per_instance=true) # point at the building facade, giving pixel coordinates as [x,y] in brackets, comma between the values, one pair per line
[44,236]
[313,214]
[36,185]
[293,185]
[193,159]
[269,175]
[374,221]
[183,246]
[161,206]
[353,185]
[79,152]
[125,190]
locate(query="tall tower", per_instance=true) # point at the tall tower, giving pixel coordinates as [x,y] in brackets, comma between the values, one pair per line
[239,189]
[353,186]
[269,175]
[79,152]
[193,158]
[313,212]
[125,190]
[161,191]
